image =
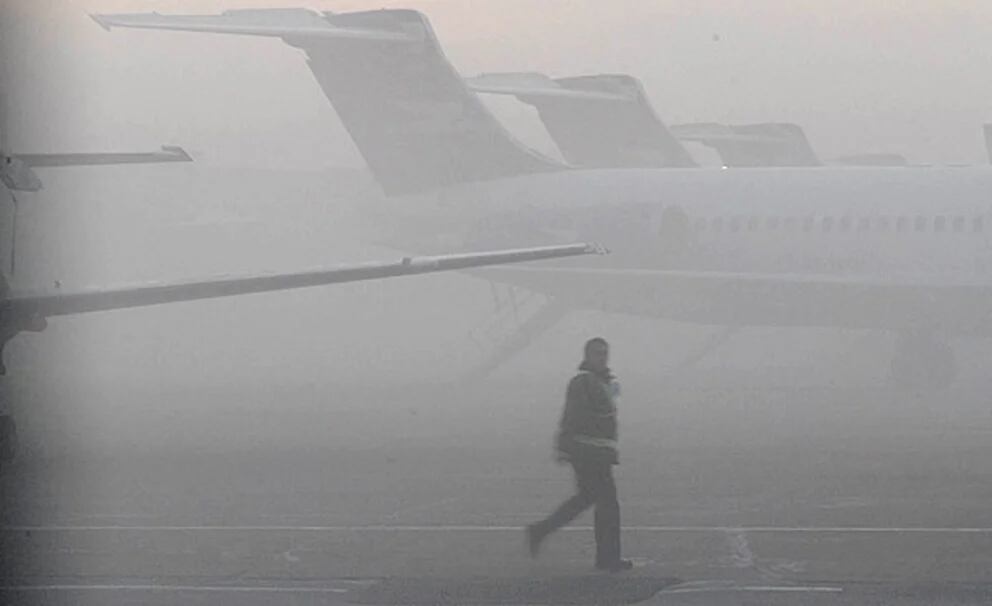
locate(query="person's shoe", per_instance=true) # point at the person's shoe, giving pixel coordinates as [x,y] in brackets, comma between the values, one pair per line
[618,566]
[533,540]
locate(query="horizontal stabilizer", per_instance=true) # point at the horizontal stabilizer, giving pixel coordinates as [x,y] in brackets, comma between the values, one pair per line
[600,121]
[765,144]
[535,85]
[279,23]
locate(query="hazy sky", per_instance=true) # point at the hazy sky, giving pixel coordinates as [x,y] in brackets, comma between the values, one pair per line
[875,76]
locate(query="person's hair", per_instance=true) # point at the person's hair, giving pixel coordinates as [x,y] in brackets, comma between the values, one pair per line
[591,343]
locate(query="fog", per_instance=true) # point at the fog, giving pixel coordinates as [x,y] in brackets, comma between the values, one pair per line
[357,404]
[277,184]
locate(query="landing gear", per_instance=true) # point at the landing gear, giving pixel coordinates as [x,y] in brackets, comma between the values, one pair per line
[923,361]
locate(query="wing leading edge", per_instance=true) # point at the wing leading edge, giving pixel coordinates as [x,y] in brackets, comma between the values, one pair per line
[57,303]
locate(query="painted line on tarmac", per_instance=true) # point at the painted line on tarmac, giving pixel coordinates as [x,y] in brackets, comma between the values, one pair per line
[483,528]
[187,588]
[755,589]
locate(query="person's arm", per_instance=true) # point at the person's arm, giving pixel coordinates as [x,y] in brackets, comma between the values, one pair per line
[574,400]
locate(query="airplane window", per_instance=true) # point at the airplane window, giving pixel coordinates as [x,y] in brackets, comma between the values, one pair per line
[883,224]
[828,224]
[958,224]
[864,224]
[939,223]
[752,223]
[735,224]
[808,224]
[773,222]
[977,224]
[921,223]
[902,223]
[845,223]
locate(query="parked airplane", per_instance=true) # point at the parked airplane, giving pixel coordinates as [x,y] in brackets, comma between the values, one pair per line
[882,248]
[607,121]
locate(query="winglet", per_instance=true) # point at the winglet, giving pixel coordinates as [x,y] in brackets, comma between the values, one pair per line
[179,154]
[101,20]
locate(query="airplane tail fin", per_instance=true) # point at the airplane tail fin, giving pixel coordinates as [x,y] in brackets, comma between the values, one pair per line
[765,144]
[411,115]
[600,121]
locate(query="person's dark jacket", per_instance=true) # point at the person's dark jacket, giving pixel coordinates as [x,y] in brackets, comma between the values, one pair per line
[588,428]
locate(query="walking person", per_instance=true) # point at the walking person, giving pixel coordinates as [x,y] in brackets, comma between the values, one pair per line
[587,439]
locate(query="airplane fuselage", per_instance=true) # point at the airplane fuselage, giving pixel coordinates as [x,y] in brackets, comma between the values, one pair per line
[850,247]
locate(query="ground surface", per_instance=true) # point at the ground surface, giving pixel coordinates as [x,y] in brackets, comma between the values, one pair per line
[747,496]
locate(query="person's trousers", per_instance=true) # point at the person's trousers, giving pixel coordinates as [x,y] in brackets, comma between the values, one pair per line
[595,487]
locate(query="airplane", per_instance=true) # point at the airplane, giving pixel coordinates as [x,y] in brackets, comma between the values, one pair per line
[607,121]
[881,248]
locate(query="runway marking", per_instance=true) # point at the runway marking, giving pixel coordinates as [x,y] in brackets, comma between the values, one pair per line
[189,588]
[483,528]
[740,551]
[421,508]
[756,589]
[338,590]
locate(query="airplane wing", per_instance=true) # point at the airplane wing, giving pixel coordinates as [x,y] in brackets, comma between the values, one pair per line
[169,153]
[962,306]
[16,171]
[33,305]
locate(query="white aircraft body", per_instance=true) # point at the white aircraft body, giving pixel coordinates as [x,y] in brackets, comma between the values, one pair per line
[889,248]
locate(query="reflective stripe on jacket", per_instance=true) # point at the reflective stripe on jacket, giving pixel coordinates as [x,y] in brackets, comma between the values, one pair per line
[588,427]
